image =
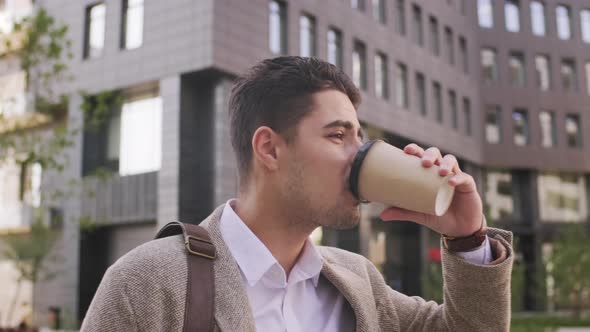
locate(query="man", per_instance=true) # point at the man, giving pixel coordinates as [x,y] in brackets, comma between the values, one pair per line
[295,132]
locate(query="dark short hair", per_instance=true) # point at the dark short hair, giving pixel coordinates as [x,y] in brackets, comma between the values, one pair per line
[277,93]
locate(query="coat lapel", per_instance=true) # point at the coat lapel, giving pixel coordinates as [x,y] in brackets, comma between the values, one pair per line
[232,307]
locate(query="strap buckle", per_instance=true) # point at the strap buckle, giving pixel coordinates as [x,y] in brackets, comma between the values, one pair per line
[202,250]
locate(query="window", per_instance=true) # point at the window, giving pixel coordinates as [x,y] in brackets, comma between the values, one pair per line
[562,197]
[335,47]
[501,195]
[401,86]
[95,26]
[306,36]
[401,17]
[434,38]
[538,24]
[572,131]
[521,127]
[512,15]
[421,93]
[379,11]
[450,45]
[489,65]
[516,67]
[135,136]
[493,124]
[381,76]
[464,56]
[437,96]
[485,14]
[13,93]
[359,65]
[30,184]
[543,72]
[277,27]
[585,25]
[453,109]
[358,4]
[587,67]
[548,129]
[467,115]
[569,80]
[564,25]
[417,25]
[132,36]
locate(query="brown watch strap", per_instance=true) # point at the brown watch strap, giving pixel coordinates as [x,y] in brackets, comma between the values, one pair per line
[200,288]
[466,243]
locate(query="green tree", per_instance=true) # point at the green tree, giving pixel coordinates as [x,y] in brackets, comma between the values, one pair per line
[569,265]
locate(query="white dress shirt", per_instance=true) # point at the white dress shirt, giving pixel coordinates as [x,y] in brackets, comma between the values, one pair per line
[304,301]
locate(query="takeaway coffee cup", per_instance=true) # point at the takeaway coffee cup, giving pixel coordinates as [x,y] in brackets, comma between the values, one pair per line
[385,174]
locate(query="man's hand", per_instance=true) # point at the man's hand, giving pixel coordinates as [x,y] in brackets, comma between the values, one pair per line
[465,214]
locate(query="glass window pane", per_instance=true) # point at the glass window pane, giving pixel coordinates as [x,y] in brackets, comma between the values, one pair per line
[585,23]
[548,129]
[538,18]
[543,72]
[562,17]
[434,37]
[587,67]
[359,65]
[485,13]
[277,27]
[335,47]
[489,65]
[521,127]
[453,109]
[516,67]
[401,17]
[562,197]
[437,96]
[500,195]
[96,30]
[401,86]
[450,45]
[467,115]
[379,11]
[381,76]
[493,124]
[141,136]
[417,25]
[572,130]
[421,93]
[464,55]
[568,75]
[133,24]
[512,15]
[306,36]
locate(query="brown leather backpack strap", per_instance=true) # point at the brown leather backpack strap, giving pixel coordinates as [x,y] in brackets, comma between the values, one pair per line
[200,288]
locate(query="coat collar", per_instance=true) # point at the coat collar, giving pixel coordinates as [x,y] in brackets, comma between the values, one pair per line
[232,307]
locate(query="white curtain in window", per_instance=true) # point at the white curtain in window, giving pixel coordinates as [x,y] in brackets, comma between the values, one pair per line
[141,136]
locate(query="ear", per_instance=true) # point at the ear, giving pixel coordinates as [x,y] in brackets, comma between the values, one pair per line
[266,146]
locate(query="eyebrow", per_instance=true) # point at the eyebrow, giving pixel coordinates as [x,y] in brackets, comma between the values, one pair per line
[344,124]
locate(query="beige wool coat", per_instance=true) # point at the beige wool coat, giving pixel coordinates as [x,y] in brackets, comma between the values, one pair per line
[145,290]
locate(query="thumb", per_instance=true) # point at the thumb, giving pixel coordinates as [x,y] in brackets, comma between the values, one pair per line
[395,213]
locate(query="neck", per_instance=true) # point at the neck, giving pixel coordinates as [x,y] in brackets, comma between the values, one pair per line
[270,223]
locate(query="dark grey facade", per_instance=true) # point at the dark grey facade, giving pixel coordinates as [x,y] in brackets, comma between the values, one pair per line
[191,51]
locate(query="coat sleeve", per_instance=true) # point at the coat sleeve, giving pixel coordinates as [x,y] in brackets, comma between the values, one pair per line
[111,308]
[476,297]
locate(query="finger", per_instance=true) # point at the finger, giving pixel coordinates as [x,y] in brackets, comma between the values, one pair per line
[414,149]
[431,157]
[449,164]
[395,213]
[462,182]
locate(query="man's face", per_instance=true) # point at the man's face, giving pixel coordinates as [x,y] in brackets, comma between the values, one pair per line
[316,167]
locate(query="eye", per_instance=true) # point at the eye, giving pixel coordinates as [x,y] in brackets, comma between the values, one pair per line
[338,135]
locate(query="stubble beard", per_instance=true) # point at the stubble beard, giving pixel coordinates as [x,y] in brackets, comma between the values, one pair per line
[305,214]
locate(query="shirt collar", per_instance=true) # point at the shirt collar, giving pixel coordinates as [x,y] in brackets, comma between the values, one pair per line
[253,257]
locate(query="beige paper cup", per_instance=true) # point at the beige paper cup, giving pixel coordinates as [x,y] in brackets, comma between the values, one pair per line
[385,174]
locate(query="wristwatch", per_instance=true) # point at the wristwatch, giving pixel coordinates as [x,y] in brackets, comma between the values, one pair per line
[466,243]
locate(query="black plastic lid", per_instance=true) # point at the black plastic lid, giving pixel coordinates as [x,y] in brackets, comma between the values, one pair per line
[356,168]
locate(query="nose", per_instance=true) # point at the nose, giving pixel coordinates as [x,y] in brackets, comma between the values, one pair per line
[354,149]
